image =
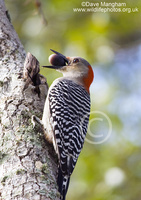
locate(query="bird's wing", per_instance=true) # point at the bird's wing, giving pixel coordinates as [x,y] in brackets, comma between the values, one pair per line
[69,109]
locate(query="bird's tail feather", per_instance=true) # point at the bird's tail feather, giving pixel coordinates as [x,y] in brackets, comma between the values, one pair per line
[63,183]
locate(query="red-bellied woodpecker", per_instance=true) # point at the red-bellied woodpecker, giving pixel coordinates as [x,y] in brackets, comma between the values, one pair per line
[66,113]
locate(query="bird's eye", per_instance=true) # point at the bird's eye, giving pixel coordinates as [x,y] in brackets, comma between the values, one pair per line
[76,60]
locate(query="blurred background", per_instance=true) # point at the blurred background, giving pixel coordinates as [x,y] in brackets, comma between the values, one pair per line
[109,167]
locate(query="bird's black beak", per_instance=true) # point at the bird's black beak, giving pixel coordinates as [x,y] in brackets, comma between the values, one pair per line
[64,57]
[59,65]
[53,67]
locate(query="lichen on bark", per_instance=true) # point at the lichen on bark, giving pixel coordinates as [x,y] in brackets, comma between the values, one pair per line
[27,168]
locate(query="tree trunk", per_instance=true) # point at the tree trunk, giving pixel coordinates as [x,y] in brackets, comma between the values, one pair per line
[27,168]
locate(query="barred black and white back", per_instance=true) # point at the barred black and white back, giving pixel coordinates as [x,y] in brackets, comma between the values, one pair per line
[69,107]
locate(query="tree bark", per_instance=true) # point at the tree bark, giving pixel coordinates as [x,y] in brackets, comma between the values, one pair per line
[27,168]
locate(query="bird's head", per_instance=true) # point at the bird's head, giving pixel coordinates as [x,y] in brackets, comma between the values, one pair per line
[75,68]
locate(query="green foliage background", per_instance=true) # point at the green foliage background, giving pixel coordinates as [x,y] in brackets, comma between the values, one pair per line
[111,42]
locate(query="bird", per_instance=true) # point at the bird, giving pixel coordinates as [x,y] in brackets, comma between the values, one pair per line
[66,113]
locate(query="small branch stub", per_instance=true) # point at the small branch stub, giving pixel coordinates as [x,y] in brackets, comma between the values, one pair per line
[35,88]
[31,73]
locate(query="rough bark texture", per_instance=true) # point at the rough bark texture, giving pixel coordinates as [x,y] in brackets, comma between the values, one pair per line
[27,169]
